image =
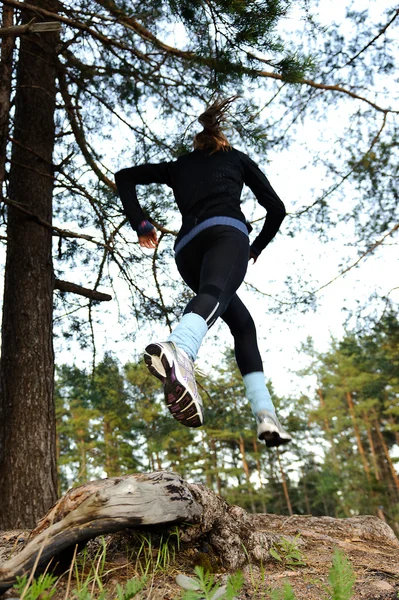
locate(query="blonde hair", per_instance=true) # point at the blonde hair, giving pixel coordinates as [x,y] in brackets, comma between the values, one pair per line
[212,137]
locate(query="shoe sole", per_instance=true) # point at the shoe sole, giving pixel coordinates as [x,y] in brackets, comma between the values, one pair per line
[178,398]
[273,439]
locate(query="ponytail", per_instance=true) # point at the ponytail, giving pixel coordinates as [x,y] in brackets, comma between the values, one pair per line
[212,137]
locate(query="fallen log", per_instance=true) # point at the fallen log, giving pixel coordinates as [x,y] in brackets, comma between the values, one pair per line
[100,507]
[233,536]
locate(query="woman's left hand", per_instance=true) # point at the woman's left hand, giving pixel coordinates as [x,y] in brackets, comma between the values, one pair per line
[149,240]
[253,256]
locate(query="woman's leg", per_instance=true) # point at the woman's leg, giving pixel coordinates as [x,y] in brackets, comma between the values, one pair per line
[249,362]
[212,264]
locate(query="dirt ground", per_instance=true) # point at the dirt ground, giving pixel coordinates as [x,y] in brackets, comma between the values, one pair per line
[375,563]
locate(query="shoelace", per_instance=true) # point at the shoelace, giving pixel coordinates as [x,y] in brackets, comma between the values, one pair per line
[200,372]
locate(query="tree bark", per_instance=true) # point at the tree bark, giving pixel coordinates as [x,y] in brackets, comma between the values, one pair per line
[27,415]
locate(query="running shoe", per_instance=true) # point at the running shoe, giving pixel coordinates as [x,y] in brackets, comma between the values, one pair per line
[270,429]
[176,371]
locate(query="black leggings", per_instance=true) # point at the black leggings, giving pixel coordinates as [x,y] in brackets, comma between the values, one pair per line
[214,264]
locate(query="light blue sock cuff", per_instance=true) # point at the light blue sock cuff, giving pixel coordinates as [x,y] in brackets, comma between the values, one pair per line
[257,392]
[189,333]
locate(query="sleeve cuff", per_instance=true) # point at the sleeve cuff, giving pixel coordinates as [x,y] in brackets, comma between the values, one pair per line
[144,227]
[255,250]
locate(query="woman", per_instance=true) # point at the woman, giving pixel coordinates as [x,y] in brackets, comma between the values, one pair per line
[212,252]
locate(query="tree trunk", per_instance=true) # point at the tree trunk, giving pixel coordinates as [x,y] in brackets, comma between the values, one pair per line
[7,47]
[259,472]
[372,447]
[395,431]
[111,451]
[213,448]
[27,415]
[394,475]
[357,434]
[284,484]
[327,427]
[247,473]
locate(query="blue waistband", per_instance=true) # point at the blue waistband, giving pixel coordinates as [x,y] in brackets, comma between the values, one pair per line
[209,223]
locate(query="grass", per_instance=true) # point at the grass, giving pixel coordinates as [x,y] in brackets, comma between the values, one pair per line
[102,571]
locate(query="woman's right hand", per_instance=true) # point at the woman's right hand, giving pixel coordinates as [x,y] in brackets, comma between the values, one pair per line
[149,240]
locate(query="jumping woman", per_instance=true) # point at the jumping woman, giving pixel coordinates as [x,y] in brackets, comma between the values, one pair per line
[212,251]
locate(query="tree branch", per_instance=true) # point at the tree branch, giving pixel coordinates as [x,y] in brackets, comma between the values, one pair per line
[61,232]
[324,86]
[145,34]
[375,38]
[66,286]
[148,36]
[75,25]
[336,185]
[154,271]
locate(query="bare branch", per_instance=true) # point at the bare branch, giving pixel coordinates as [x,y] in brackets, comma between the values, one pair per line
[61,232]
[335,186]
[66,286]
[78,132]
[366,253]
[154,271]
[332,88]
[375,38]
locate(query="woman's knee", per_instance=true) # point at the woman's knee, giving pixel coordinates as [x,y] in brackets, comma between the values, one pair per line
[242,326]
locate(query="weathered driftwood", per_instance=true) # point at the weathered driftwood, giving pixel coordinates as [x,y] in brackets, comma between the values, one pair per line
[31,27]
[100,507]
[233,536]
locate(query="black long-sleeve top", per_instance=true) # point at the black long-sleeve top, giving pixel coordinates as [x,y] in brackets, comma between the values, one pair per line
[205,185]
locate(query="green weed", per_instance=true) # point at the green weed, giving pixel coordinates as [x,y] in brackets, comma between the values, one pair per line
[43,587]
[206,589]
[131,588]
[287,553]
[341,577]
[341,581]
[287,593]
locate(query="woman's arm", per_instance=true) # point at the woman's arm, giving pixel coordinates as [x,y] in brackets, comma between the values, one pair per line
[267,197]
[126,181]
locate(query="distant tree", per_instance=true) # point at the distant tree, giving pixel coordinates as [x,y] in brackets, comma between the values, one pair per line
[358,392]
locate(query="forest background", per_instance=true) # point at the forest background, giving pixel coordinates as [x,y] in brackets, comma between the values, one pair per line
[318,110]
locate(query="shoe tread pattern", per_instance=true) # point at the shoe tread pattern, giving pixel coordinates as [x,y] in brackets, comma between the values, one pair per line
[178,398]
